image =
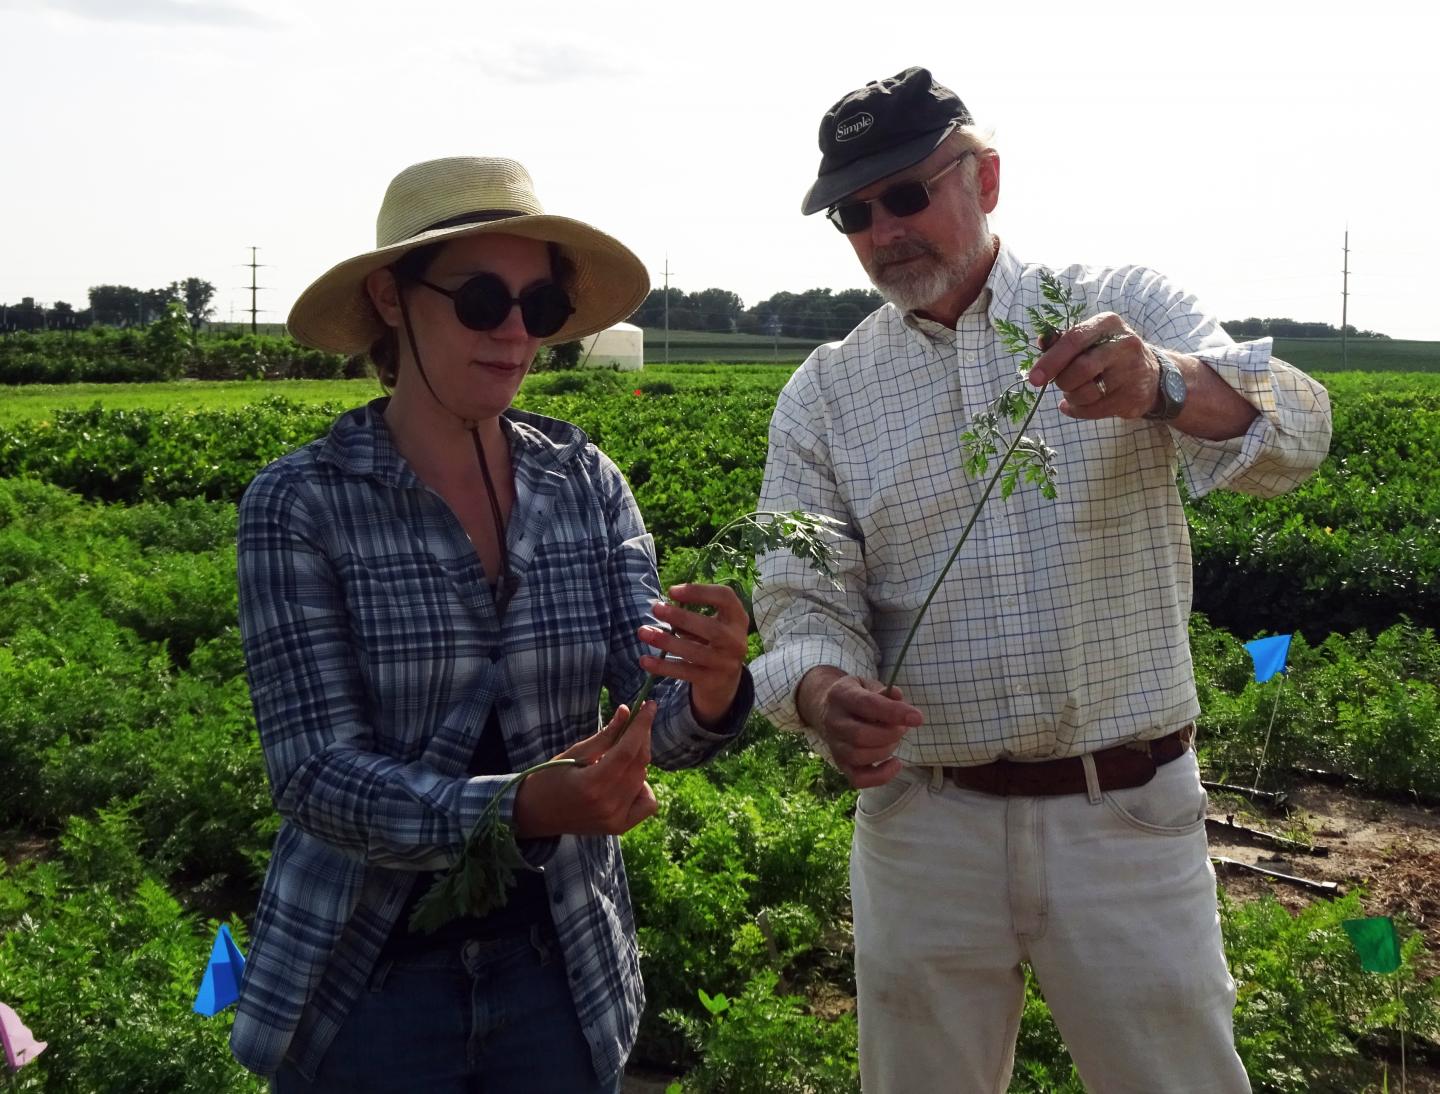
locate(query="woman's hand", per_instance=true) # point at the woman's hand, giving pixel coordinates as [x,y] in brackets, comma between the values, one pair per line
[606,797]
[707,651]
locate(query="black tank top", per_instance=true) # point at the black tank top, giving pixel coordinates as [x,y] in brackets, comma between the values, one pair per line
[528,905]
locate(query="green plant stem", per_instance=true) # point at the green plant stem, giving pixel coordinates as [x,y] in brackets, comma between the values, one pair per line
[493,808]
[690,574]
[1400,1016]
[650,678]
[964,535]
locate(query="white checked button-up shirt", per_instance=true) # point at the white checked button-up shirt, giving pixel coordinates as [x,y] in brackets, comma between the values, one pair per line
[1062,628]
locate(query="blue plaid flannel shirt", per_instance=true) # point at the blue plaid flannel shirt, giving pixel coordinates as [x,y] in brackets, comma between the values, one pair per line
[375,654]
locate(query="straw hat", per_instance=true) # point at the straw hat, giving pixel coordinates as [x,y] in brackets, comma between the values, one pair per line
[461,196]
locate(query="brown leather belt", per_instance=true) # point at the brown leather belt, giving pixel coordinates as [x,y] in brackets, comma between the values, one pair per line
[1127,765]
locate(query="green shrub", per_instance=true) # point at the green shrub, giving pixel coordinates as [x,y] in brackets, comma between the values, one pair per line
[1303,1000]
[762,1042]
[1366,706]
[745,868]
[104,965]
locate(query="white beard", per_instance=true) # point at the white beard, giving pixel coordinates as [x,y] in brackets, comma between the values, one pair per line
[916,285]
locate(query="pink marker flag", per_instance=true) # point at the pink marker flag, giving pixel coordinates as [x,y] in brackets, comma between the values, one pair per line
[20,1044]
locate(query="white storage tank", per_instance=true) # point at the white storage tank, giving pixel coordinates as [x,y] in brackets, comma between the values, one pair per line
[620,347]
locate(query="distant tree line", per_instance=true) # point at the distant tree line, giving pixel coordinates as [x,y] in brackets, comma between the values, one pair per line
[822,314]
[1291,328]
[113,306]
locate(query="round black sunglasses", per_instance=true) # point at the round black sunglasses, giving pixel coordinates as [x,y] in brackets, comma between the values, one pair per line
[904,199]
[484,302]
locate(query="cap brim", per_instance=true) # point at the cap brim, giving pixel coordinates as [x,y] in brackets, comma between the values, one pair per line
[830,188]
[610,282]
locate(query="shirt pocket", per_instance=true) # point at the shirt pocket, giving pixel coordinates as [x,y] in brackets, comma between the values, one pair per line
[413,634]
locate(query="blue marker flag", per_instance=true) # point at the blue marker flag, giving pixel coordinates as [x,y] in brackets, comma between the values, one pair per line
[1268,655]
[221,985]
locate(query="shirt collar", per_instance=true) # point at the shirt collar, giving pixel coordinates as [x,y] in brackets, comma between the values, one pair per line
[996,299]
[1003,284]
[360,443]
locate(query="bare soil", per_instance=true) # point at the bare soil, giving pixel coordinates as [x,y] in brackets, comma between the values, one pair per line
[1388,850]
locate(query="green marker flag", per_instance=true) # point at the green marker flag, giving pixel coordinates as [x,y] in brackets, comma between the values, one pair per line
[1375,941]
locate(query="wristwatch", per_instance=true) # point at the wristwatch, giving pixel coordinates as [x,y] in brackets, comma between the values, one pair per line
[1170,399]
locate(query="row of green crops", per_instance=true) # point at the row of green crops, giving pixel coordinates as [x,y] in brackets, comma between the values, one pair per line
[136,814]
[1356,546]
[167,350]
[158,352]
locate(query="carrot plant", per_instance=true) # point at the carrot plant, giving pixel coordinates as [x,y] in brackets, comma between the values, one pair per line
[1026,458]
[481,879]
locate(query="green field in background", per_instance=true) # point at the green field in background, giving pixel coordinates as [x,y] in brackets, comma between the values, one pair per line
[1310,354]
[736,357]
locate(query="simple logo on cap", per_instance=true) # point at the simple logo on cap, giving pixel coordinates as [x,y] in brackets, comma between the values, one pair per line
[856,125]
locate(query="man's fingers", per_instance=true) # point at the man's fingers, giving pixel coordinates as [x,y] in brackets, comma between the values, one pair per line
[867,701]
[879,774]
[1073,358]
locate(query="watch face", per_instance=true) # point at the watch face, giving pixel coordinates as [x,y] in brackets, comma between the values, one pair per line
[1174,385]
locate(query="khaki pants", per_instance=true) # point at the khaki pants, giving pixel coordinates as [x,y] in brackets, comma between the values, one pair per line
[1110,897]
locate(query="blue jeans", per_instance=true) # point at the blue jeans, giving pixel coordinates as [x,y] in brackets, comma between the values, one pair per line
[492,1017]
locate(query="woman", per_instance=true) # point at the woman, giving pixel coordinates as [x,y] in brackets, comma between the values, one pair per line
[432,596]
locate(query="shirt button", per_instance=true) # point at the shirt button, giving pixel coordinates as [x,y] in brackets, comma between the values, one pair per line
[1011,601]
[970,358]
[496,654]
[559,898]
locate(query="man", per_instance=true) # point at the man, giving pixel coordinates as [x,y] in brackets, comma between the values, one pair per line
[1030,794]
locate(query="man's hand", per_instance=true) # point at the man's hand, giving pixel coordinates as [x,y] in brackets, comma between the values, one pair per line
[1106,371]
[1103,368]
[861,724]
[605,798]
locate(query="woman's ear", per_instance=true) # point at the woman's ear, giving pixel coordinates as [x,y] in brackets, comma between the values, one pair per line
[384,295]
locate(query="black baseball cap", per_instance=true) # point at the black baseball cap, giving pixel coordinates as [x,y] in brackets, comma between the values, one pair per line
[884,127]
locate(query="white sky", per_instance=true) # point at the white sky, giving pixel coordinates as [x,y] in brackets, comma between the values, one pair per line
[1228,144]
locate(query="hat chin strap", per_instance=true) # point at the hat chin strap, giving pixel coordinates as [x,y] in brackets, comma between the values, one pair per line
[472,426]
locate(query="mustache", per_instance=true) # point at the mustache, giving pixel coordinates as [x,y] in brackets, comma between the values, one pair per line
[902,251]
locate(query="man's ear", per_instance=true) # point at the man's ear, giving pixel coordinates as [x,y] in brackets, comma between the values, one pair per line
[384,294]
[987,180]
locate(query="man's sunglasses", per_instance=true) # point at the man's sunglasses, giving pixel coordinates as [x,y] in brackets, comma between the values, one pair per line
[904,199]
[484,302]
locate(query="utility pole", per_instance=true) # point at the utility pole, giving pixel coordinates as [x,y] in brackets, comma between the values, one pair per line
[1345,306]
[667,308]
[254,288]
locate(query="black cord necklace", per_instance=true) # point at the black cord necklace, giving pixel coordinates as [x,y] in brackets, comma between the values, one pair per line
[474,429]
